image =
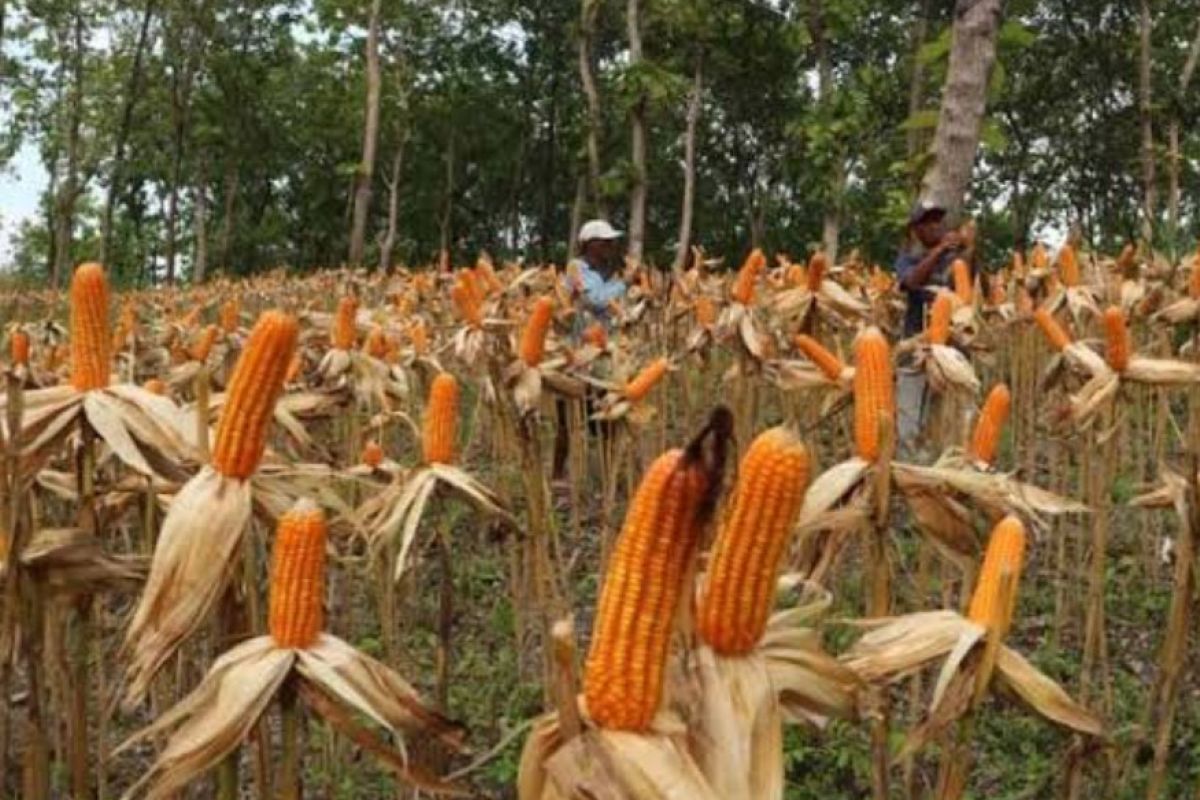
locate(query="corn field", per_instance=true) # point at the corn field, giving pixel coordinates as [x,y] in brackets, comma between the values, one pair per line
[430,533]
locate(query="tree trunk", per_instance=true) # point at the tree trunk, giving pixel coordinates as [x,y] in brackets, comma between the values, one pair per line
[444,226]
[587,29]
[684,243]
[1174,158]
[916,83]
[964,100]
[132,92]
[1149,188]
[230,189]
[182,75]
[64,217]
[366,169]
[576,216]
[388,241]
[200,212]
[637,132]
[831,225]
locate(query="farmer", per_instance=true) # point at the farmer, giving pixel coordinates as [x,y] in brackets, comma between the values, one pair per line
[922,268]
[593,276]
[594,284]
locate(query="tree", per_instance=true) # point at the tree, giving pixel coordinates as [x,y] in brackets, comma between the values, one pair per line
[366,168]
[964,99]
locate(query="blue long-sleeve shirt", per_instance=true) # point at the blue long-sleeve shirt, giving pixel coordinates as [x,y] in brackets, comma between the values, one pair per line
[918,298]
[598,293]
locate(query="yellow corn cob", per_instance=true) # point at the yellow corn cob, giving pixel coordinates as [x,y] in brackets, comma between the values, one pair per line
[203,343]
[231,311]
[1068,266]
[705,310]
[1054,332]
[18,347]
[155,386]
[1003,561]
[990,424]
[740,589]
[257,381]
[533,338]
[596,335]
[796,275]
[1039,257]
[874,393]
[997,294]
[938,331]
[1126,261]
[485,274]
[376,344]
[1194,280]
[816,270]
[419,336]
[297,602]
[964,286]
[646,574]
[827,362]
[441,420]
[467,300]
[1116,338]
[343,334]
[743,286]
[89,328]
[372,454]
[646,380]
[1018,264]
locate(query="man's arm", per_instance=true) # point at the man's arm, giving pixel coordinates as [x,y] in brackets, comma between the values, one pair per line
[598,293]
[917,276]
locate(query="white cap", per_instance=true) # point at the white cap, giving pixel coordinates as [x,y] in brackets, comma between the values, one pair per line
[598,229]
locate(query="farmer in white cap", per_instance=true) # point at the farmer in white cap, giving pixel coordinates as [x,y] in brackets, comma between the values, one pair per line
[593,275]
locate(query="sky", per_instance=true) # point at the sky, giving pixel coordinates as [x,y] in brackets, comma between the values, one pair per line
[20,184]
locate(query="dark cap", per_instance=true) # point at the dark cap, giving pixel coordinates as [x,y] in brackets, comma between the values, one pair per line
[923,209]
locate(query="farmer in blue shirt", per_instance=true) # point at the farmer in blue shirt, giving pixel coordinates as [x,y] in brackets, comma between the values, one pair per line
[922,268]
[594,272]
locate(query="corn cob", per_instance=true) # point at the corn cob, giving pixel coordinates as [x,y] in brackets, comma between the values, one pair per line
[743,286]
[533,338]
[1054,332]
[231,311]
[740,589]
[990,424]
[419,336]
[297,601]
[997,294]
[485,274]
[257,382]
[376,344]
[705,310]
[441,420]
[1024,300]
[1126,261]
[827,362]
[1194,280]
[938,331]
[343,334]
[1018,264]
[1116,338]
[89,328]
[874,392]
[1039,257]
[155,386]
[796,275]
[18,347]
[596,335]
[203,343]
[1002,561]
[1068,266]
[817,266]
[646,380]
[642,588]
[372,454]
[964,286]
[466,301]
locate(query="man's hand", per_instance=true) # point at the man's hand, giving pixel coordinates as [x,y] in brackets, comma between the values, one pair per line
[950,240]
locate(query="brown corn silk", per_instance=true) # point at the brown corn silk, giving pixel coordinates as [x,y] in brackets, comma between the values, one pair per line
[938,331]
[90,359]
[739,590]
[874,391]
[1002,562]
[623,677]
[344,334]
[257,382]
[533,337]
[441,420]
[1117,344]
[1054,333]
[829,364]
[297,589]
[646,380]
[992,417]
